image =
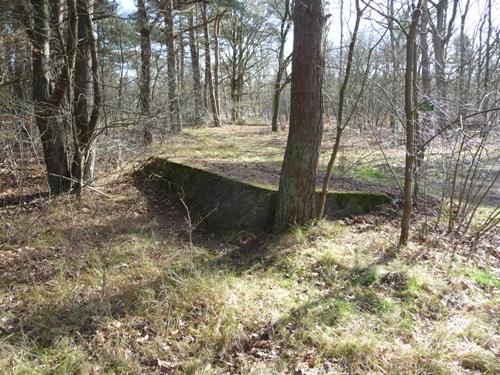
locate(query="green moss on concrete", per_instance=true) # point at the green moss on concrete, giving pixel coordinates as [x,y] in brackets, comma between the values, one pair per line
[229,205]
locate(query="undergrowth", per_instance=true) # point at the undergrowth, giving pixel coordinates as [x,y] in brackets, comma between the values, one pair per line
[111,285]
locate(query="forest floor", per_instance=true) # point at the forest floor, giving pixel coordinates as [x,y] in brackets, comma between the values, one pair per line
[109,283]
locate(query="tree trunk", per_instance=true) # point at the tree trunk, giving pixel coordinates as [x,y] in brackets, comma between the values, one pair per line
[145,75]
[86,96]
[208,68]
[181,60]
[46,105]
[462,92]
[409,123]
[278,86]
[217,25]
[441,34]
[296,196]
[173,95]
[195,64]
[395,68]
[424,126]
[276,101]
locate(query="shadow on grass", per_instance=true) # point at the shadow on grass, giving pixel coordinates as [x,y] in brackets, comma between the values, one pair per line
[19,200]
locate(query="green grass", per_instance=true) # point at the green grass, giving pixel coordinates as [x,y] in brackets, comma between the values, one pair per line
[484,279]
[370,173]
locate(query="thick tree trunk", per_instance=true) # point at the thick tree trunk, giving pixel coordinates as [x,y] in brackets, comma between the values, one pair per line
[410,129]
[296,196]
[46,105]
[195,66]
[208,68]
[173,95]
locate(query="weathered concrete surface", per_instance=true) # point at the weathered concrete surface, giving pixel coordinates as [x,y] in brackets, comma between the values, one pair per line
[229,205]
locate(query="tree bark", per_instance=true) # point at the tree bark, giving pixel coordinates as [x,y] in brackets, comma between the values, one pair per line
[296,196]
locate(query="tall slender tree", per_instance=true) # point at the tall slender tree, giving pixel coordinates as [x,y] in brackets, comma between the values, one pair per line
[411,36]
[145,73]
[195,67]
[173,93]
[281,80]
[86,95]
[209,81]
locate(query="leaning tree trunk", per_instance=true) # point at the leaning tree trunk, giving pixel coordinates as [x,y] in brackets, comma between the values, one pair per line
[45,103]
[173,95]
[195,66]
[208,68]
[410,129]
[296,196]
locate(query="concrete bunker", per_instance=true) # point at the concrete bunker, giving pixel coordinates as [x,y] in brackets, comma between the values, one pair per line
[230,205]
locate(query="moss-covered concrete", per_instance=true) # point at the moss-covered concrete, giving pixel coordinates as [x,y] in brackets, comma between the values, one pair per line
[230,205]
